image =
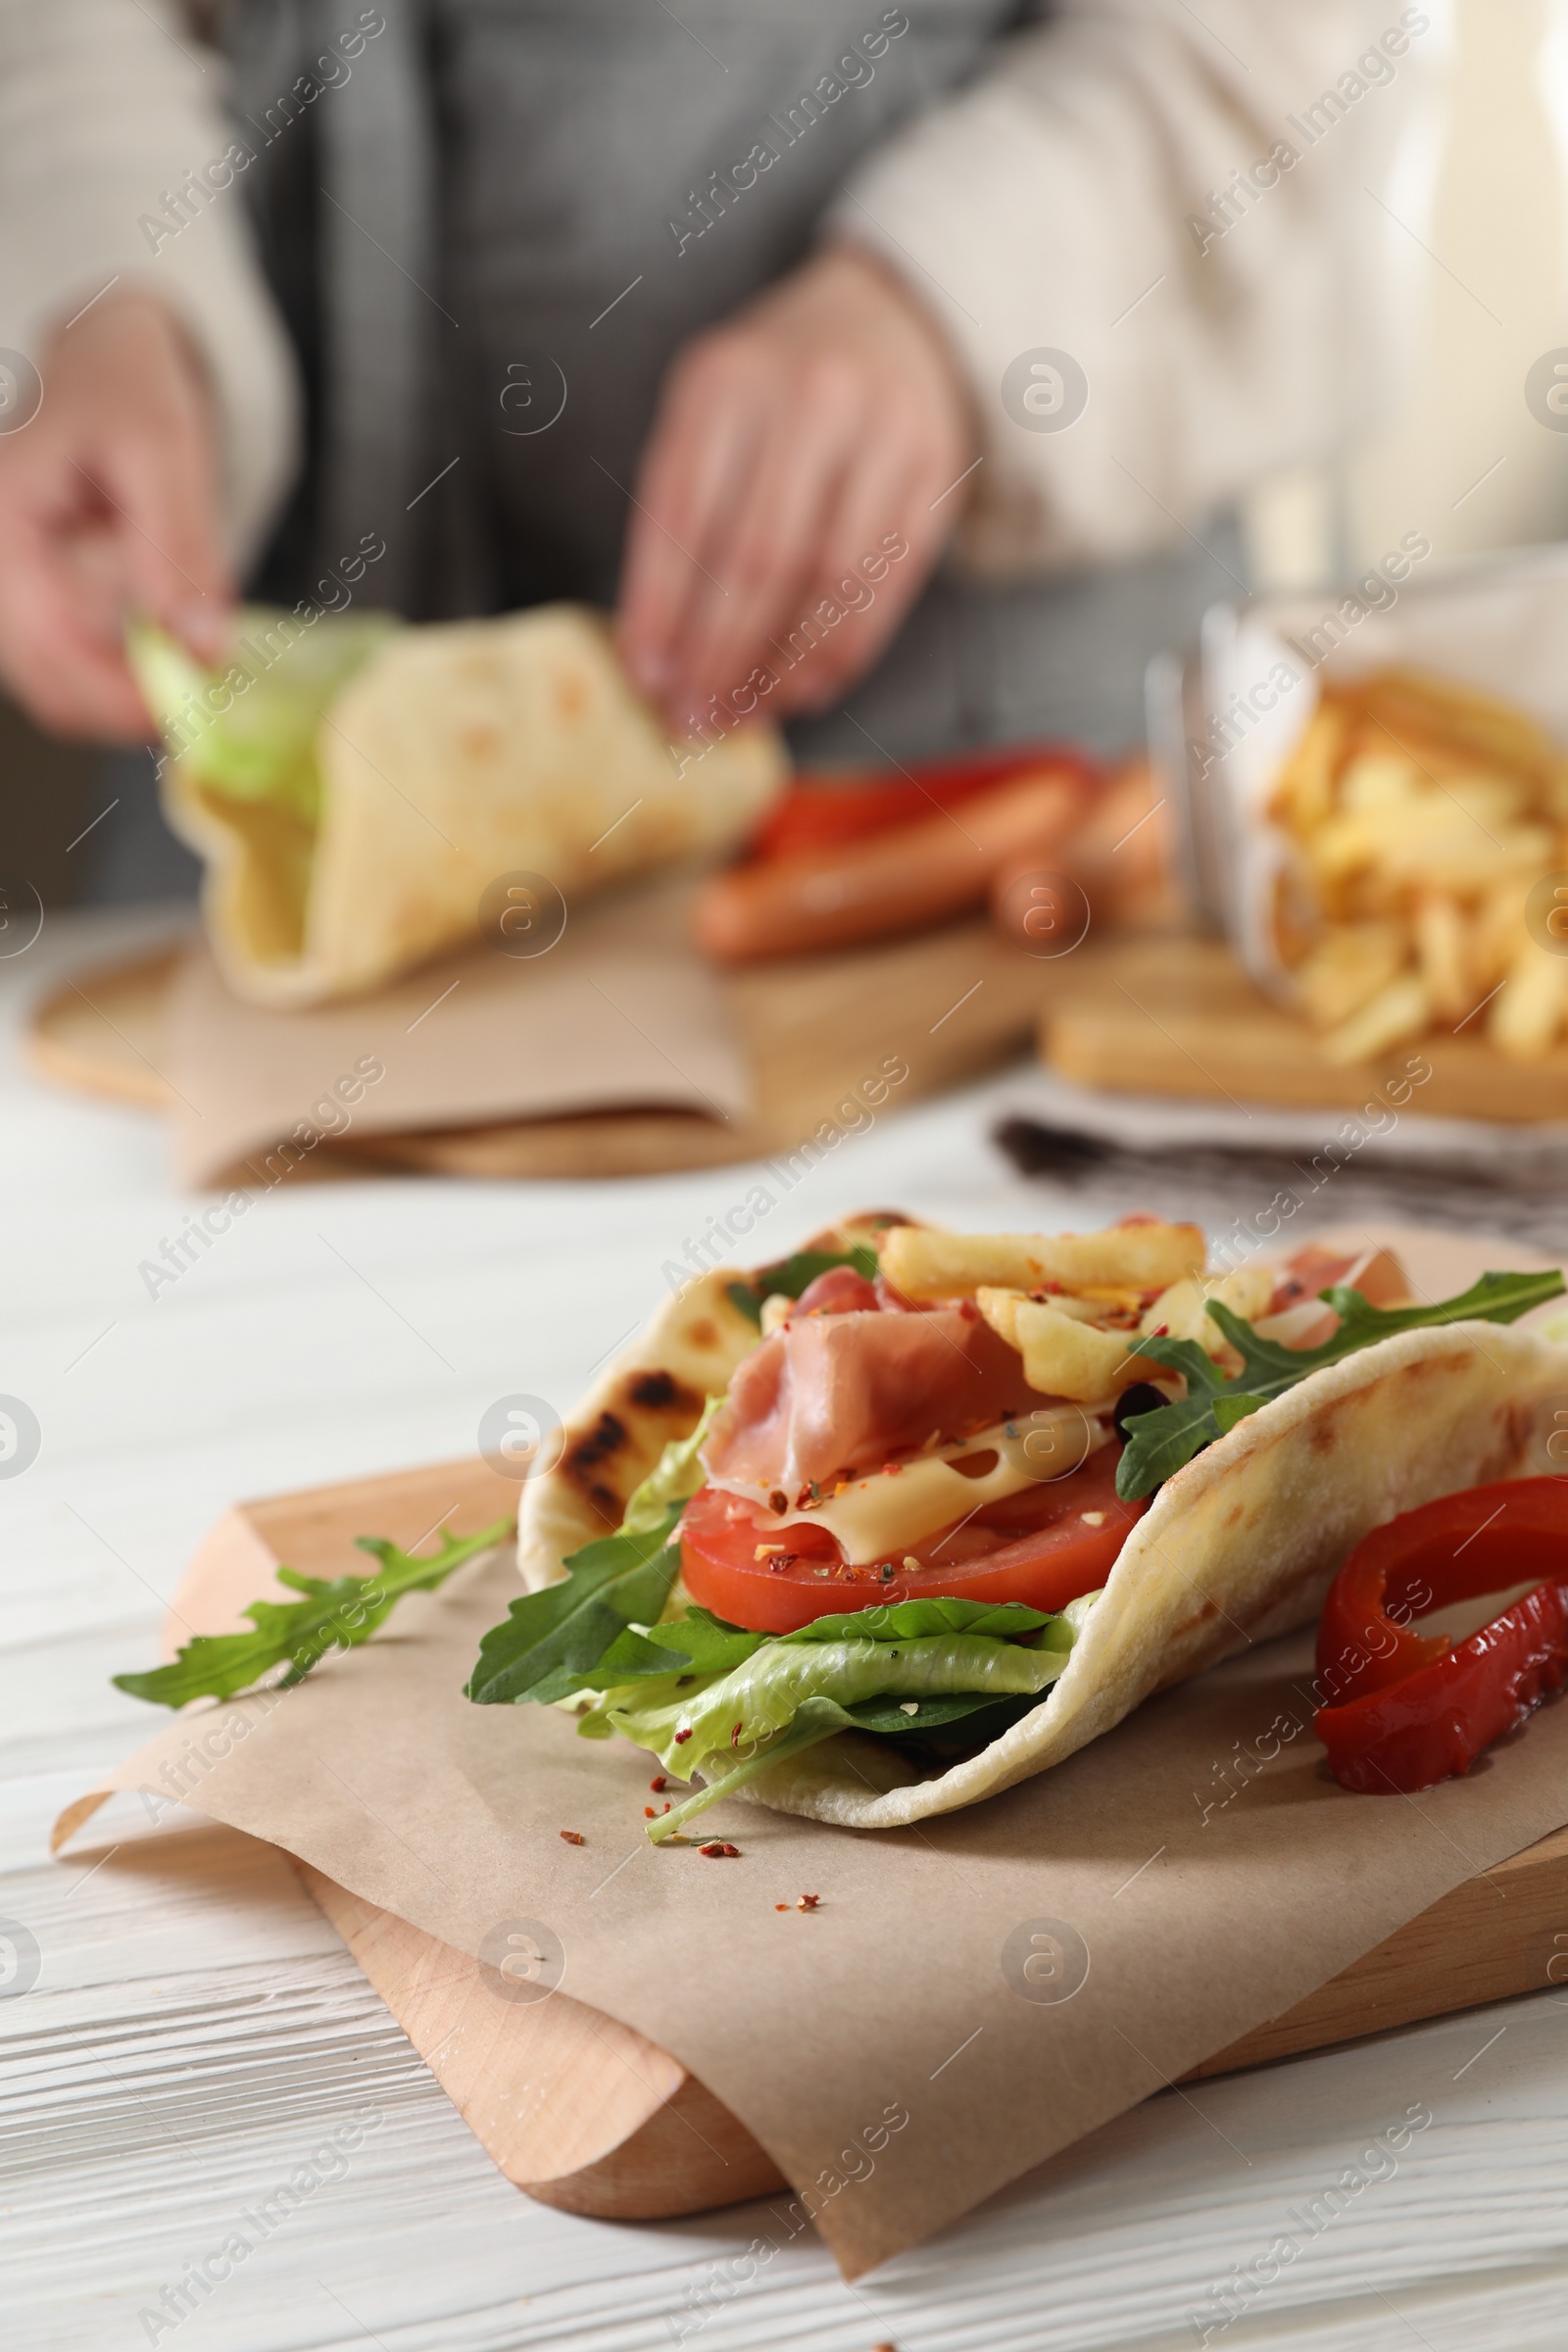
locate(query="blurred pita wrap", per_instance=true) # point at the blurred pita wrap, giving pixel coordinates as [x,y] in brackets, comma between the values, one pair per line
[355,787]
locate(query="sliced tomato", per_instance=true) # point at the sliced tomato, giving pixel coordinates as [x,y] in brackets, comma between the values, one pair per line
[1048,1546]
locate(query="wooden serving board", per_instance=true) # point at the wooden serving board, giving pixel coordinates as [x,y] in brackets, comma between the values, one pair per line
[1132,1013]
[950,1005]
[585,2113]
[1177,1015]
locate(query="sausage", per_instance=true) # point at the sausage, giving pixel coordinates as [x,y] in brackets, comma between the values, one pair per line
[1114,867]
[926,872]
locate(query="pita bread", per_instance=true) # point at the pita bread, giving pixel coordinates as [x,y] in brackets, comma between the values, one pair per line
[652,1392]
[1238,1547]
[457,753]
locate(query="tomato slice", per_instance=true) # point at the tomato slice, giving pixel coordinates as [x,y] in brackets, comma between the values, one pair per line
[1045,1546]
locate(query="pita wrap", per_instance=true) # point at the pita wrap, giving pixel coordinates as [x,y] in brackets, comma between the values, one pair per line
[1239,1546]
[434,763]
[650,1393]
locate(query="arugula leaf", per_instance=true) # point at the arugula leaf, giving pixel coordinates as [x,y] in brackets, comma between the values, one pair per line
[1159,1444]
[553,1643]
[792,1275]
[698,1642]
[894,1719]
[337,1613]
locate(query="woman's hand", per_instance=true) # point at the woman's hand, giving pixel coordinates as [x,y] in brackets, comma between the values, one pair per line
[821,427]
[108,504]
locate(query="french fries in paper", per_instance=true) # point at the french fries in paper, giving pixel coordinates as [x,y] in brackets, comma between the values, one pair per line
[1421,816]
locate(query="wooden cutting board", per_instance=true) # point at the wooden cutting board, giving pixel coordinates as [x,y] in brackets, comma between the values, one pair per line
[950,1005]
[1166,1013]
[585,2113]
[1177,1015]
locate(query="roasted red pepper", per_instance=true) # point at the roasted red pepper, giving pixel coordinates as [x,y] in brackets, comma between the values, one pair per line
[1406,1709]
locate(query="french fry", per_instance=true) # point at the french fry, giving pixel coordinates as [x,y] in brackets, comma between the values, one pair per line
[1374,781]
[1411,700]
[1304,792]
[1422,813]
[1182,1312]
[1444,956]
[1492,801]
[1402,1009]
[1063,1357]
[1527,1013]
[1499,933]
[927,1264]
[999,1308]
[1347,968]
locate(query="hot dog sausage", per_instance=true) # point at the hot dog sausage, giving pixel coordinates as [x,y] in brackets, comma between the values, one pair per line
[926,872]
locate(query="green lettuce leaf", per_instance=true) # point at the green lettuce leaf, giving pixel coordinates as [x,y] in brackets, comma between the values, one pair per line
[814,1720]
[819,1718]
[685,1719]
[932,1719]
[1159,1444]
[674,1478]
[262,747]
[337,1613]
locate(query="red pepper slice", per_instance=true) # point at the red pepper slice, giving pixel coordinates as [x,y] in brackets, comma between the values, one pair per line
[1408,1709]
[821,811]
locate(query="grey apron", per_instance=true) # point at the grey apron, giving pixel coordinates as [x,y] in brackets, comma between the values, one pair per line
[490,240]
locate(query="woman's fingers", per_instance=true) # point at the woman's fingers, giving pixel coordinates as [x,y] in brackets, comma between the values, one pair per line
[826,414]
[55,655]
[870,572]
[159,482]
[710,421]
[767,549]
[108,504]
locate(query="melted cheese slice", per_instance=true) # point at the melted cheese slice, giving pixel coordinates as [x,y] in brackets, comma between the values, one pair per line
[880,1516]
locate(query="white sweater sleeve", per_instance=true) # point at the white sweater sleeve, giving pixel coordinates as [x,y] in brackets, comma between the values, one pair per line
[105,107]
[1065,202]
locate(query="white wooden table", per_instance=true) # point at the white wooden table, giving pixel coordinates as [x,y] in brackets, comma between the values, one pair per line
[195,2031]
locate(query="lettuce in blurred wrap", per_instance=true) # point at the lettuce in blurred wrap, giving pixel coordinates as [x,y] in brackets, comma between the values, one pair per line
[355,784]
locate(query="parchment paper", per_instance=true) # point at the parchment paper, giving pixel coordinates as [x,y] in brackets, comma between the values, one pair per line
[1211,1886]
[620,1014]
[1007,1978]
